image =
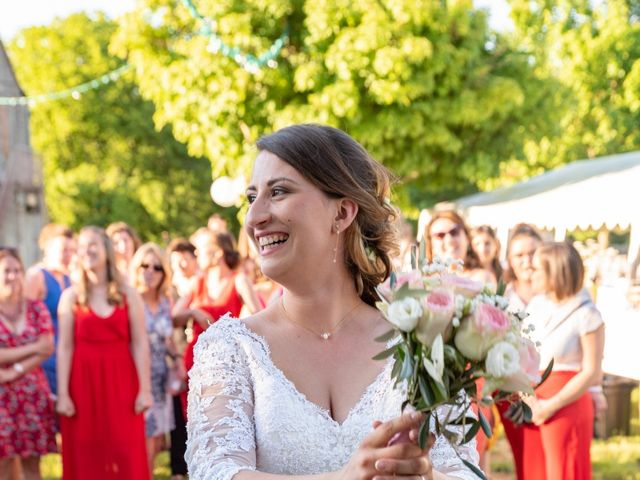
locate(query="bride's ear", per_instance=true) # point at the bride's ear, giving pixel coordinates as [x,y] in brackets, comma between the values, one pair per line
[347,210]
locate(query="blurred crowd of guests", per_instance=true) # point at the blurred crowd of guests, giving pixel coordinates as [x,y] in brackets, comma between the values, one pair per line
[96,340]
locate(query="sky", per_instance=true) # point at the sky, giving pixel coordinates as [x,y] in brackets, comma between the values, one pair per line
[15,15]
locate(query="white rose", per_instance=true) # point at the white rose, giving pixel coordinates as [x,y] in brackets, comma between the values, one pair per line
[502,360]
[404,314]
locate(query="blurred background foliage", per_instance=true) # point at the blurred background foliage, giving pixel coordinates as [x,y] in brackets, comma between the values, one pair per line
[450,106]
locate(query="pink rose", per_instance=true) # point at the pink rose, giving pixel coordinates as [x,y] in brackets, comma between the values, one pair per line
[528,375]
[412,278]
[439,309]
[463,286]
[481,330]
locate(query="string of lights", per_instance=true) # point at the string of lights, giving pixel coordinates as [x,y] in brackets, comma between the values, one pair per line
[247,61]
[73,92]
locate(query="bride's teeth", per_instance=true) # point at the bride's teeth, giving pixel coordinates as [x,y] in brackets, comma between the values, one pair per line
[270,239]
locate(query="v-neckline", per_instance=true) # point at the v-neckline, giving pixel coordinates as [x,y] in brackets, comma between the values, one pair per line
[323,412]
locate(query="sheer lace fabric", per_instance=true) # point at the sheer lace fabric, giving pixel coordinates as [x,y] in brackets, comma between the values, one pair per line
[244,414]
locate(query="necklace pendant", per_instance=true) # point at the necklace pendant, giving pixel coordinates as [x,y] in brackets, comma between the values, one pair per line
[325,335]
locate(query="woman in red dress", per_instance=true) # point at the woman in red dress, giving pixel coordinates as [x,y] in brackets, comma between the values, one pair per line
[571,331]
[103,370]
[220,289]
[27,419]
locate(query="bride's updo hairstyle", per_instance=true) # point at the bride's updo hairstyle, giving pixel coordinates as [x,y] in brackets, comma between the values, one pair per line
[340,167]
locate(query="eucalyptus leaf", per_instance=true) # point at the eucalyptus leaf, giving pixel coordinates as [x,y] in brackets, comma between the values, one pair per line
[385,337]
[385,353]
[423,433]
[545,374]
[528,414]
[425,391]
[474,469]
[393,280]
[486,428]
[472,432]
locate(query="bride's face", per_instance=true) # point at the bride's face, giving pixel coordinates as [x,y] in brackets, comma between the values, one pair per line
[289,220]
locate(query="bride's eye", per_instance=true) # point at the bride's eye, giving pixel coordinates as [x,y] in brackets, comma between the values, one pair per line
[278,191]
[251,197]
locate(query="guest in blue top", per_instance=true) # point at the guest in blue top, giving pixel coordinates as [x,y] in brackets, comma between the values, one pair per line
[46,280]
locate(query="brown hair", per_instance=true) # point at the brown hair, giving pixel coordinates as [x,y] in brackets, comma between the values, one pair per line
[225,241]
[165,286]
[340,167]
[53,230]
[563,269]
[519,231]
[115,283]
[496,266]
[181,245]
[117,227]
[471,260]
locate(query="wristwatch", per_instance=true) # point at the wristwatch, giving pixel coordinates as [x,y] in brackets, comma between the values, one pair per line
[18,367]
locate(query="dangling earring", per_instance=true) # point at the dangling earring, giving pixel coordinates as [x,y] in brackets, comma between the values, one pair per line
[335,249]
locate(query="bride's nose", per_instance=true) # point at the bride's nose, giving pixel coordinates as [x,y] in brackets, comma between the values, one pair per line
[258,214]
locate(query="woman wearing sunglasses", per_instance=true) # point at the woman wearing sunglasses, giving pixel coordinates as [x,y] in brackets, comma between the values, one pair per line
[447,236]
[150,276]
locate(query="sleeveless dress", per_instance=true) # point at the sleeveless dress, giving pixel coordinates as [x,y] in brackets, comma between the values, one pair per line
[245,414]
[105,438]
[51,301]
[231,305]
[27,414]
[159,418]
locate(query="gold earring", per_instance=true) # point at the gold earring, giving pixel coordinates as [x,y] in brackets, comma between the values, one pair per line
[335,249]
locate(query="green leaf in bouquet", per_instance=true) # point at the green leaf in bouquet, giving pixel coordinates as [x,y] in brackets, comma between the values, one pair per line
[486,428]
[423,252]
[385,337]
[546,373]
[425,391]
[385,353]
[472,432]
[423,433]
[516,412]
[414,257]
[407,368]
[474,469]
[502,287]
[452,356]
[441,392]
[463,419]
[393,280]
[528,414]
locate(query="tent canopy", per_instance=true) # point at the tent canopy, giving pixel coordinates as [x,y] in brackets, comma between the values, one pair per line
[584,194]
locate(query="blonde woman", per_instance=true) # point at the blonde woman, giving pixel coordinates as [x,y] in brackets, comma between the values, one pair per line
[103,369]
[150,276]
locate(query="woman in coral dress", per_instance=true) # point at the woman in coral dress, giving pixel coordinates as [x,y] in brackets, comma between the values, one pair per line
[103,370]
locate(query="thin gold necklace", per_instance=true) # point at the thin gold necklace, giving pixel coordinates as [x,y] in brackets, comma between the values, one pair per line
[324,335]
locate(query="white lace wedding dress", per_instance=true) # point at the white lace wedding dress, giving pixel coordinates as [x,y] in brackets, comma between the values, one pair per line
[244,414]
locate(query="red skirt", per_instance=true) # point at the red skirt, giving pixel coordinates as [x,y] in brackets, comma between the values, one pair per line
[559,449]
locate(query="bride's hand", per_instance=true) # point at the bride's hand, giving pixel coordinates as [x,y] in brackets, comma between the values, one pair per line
[374,460]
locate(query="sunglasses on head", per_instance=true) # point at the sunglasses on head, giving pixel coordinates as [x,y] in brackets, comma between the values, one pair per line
[156,268]
[454,232]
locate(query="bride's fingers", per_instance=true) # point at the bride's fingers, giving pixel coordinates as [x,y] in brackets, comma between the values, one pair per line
[384,432]
[408,466]
[376,424]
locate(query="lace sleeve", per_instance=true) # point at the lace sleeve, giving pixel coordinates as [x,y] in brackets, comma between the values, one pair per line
[444,457]
[221,437]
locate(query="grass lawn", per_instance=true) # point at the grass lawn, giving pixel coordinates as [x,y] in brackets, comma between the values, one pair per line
[617,458]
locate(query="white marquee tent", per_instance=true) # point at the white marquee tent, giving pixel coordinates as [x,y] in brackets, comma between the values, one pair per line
[603,192]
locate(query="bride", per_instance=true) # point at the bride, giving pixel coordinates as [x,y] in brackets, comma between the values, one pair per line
[292,392]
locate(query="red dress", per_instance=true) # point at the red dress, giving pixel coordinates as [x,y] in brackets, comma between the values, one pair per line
[27,415]
[232,304]
[105,438]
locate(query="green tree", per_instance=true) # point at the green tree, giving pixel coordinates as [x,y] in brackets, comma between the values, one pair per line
[594,53]
[103,158]
[423,84]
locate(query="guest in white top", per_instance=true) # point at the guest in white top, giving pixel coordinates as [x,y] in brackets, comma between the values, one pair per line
[292,392]
[522,245]
[571,332]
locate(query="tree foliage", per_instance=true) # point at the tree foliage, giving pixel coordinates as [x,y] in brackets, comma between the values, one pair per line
[594,53]
[103,158]
[423,84]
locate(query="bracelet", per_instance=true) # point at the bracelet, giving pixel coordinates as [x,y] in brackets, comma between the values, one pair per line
[18,367]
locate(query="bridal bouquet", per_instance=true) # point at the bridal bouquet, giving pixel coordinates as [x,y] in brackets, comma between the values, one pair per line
[454,332]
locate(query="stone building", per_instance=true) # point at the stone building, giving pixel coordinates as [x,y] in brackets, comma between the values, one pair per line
[22,210]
